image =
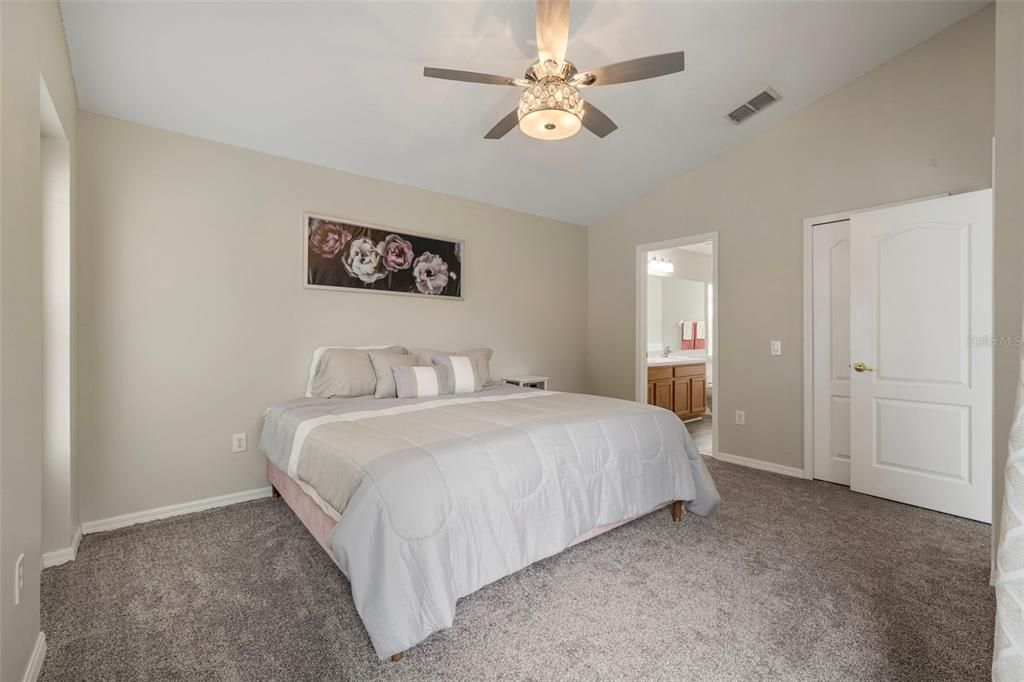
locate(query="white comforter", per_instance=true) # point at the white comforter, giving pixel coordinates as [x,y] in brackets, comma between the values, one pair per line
[469,490]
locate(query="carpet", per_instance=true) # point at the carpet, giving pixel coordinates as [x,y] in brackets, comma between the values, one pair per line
[787,580]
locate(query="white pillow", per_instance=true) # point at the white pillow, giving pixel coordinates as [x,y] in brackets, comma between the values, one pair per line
[318,353]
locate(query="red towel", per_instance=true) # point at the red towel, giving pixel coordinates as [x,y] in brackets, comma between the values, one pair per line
[698,336]
[688,344]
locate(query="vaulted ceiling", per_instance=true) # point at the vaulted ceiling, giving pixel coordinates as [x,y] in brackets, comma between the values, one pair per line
[340,83]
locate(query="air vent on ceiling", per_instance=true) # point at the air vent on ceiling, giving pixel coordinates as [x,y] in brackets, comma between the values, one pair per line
[753,105]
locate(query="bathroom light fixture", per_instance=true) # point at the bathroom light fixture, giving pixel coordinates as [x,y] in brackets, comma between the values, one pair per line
[660,266]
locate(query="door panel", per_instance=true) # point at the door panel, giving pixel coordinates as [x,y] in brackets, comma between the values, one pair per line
[663,393]
[698,391]
[923,303]
[831,353]
[839,300]
[840,440]
[682,397]
[923,437]
[921,413]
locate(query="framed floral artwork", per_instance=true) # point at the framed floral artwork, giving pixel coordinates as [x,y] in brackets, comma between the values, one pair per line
[343,254]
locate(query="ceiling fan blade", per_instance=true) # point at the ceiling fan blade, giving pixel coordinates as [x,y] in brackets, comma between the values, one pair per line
[467,76]
[552,30]
[632,70]
[596,121]
[503,126]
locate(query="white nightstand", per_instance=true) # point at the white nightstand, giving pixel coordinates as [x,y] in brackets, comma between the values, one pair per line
[528,381]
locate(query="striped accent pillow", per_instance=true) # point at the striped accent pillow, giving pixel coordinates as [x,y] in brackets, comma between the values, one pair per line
[417,382]
[458,374]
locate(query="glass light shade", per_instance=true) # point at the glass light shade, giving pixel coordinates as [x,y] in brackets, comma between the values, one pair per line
[551,110]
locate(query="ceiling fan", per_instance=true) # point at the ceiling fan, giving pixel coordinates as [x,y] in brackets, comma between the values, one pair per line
[551,107]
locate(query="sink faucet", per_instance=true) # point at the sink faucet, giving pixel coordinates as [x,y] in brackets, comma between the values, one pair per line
[667,352]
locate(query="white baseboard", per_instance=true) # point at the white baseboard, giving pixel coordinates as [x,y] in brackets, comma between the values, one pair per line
[35,663]
[173,510]
[760,464]
[62,556]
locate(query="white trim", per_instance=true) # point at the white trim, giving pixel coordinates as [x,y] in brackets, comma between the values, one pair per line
[35,662]
[173,510]
[761,465]
[62,556]
[808,396]
[640,349]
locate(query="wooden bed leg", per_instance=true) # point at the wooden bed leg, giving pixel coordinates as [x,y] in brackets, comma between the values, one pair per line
[397,657]
[677,511]
[274,492]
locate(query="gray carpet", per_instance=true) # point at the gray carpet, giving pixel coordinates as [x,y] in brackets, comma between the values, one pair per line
[789,580]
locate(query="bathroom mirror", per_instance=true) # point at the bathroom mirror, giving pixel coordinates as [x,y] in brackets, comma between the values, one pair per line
[671,300]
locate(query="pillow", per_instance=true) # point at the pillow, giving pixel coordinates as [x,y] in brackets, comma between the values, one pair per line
[383,364]
[417,382]
[314,366]
[344,373]
[481,358]
[458,374]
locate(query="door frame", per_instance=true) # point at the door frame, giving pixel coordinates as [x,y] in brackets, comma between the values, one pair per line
[640,338]
[808,350]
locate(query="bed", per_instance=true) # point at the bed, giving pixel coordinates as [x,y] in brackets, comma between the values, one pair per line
[421,501]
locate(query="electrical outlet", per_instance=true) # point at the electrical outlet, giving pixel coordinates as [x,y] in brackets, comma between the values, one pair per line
[239,442]
[19,578]
[741,418]
[776,347]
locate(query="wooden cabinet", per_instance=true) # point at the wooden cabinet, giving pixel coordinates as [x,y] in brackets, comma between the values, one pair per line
[698,395]
[680,397]
[680,388]
[663,394]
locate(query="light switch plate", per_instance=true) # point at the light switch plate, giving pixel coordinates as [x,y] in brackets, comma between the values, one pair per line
[776,347]
[741,418]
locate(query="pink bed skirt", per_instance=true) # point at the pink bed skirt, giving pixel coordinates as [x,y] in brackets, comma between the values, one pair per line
[320,524]
[309,512]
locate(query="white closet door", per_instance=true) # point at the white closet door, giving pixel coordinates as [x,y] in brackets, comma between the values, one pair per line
[921,309]
[831,315]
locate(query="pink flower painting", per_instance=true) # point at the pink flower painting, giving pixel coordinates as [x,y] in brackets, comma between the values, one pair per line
[347,256]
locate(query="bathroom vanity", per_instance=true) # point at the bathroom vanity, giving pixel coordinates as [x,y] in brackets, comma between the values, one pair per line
[679,385]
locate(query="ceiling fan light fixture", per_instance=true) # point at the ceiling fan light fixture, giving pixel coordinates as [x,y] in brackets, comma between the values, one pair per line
[551,110]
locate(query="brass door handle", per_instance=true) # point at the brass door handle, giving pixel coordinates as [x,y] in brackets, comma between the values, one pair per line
[861,367]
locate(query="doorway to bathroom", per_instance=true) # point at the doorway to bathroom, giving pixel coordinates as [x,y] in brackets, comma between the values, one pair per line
[677,331]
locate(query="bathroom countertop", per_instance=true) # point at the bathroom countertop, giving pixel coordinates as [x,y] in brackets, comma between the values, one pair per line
[675,360]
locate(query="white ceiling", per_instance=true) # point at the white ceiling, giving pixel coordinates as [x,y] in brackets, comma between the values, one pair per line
[340,83]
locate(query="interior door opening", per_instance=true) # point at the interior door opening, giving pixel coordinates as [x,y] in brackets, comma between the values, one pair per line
[677,332]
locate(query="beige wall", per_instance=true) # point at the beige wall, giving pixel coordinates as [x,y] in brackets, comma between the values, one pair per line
[31,46]
[1009,227]
[921,124]
[194,319]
